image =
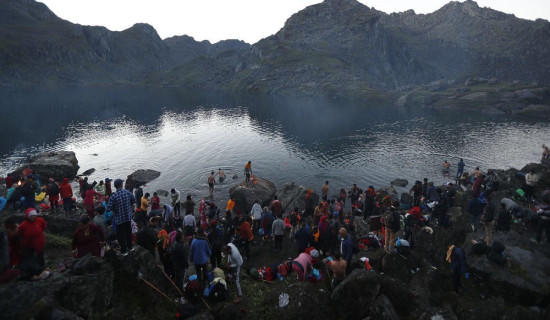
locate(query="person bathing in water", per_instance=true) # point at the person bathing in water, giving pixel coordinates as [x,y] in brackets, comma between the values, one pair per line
[221,175]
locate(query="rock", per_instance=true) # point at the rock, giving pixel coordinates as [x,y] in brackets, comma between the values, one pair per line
[356,294]
[403,100]
[292,196]
[261,190]
[438,85]
[203,316]
[60,225]
[492,308]
[235,177]
[400,182]
[226,311]
[142,177]
[478,96]
[85,292]
[406,198]
[462,90]
[383,309]
[87,172]
[389,190]
[475,81]
[493,81]
[57,165]
[162,193]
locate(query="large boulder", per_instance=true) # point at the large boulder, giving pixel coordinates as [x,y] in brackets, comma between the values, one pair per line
[394,196]
[356,294]
[245,195]
[406,198]
[57,165]
[400,182]
[292,195]
[383,309]
[142,176]
[85,291]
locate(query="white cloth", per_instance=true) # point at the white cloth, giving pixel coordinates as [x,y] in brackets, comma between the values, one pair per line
[256,211]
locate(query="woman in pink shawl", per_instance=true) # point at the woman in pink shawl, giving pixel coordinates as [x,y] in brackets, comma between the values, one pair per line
[202,213]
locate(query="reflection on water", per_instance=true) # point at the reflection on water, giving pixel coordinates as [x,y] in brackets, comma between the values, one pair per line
[185,135]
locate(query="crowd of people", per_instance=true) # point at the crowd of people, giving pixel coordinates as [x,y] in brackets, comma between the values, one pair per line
[208,237]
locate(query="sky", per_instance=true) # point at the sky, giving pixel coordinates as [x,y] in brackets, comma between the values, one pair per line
[248,20]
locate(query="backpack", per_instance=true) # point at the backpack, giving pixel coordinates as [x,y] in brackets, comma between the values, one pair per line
[282,269]
[192,291]
[218,292]
[388,218]
[53,189]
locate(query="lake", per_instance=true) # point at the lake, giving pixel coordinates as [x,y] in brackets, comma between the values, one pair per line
[186,134]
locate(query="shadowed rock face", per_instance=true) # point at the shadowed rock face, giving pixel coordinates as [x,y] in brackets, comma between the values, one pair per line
[57,165]
[292,196]
[142,176]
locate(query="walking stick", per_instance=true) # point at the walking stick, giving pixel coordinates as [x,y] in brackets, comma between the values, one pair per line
[181,293]
[157,289]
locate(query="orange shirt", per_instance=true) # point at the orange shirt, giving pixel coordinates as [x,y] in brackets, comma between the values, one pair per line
[230,205]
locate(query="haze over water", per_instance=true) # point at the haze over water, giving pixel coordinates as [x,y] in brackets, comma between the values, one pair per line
[185,135]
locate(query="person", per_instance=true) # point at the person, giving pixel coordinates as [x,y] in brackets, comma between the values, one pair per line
[14,242]
[189,224]
[432,193]
[9,180]
[53,194]
[392,224]
[276,207]
[13,196]
[129,183]
[267,223]
[155,202]
[531,180]
[338,266]
[215,237]
[180,261]
[425,186]
[310,204]
[317,213]
[230,204]
[145,203]
[324,191]
[199,255]
[416,190]
[302,265]
[168,214]
[544,221]
[245,233]
[446,166]
[28,192]
[248,171]
[189,205]
[89,201]
[256,214]
[211,180]
[457,258]
[354,193]
[31,233]
[278,228]
[203,221]
[294,219]
[234,263]
[100,187]
[99,219]
[88,238]
[475,209]
[213,211]
[108,190]
[460,169]
[303,238]
[476,188]
[175,198]
[121,203]
[147,236]
[324,235]
[346,247]
[221,175]
[503,219]
[488,218]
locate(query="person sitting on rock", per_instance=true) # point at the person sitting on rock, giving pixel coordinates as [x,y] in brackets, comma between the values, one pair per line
[88,238]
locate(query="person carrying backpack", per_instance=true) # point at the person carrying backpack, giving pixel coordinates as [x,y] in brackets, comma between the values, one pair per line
[53,194]
[392,224]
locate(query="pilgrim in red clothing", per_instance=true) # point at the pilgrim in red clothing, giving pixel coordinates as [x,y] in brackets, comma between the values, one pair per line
[31,232]
[88,238]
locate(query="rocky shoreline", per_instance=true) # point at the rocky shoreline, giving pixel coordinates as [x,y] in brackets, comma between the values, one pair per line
[412,287]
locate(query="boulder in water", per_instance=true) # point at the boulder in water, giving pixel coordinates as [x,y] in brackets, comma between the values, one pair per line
[400,182]
[258,189]
[57,165]
[235,176]
[87,172]
[162,193]
[142,176]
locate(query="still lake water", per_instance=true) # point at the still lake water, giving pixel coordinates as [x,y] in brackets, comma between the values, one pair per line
[185,135]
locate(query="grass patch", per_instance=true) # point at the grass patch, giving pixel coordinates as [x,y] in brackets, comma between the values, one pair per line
[57,241]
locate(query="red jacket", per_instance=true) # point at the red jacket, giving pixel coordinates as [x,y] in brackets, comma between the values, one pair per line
[32,234]
[65,189]
[245,232]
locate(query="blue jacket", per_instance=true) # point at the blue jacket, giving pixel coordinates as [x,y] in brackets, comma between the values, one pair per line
[475,207]
[347,248]
[200,251]
[458,260]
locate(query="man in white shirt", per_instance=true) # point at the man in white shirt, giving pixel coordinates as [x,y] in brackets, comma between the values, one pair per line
[235,262]
[256,213]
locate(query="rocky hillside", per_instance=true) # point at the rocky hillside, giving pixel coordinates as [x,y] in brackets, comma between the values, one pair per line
[335,48]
